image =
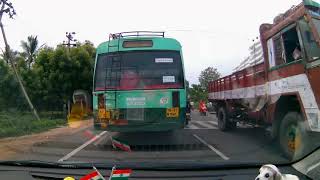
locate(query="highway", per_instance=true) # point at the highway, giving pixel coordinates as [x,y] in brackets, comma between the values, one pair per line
[201,140]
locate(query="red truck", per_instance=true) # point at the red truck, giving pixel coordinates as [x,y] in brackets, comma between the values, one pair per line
[278,86]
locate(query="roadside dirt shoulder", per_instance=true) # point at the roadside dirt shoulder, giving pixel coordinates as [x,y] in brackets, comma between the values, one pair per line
[10,147]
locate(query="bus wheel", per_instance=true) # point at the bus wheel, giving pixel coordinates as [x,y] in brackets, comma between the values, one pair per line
[293,138]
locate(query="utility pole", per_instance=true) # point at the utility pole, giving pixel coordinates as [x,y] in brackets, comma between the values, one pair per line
[6,7]
[70,41]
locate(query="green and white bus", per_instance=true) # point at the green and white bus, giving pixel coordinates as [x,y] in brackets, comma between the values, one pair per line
[139,83]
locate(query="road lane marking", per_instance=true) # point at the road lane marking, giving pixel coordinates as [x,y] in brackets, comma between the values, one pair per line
[212,148]
[209,126]
[108,135]
[213,122]
[100,139]
[191,126]
[313,167]
[82,146]
[201,125]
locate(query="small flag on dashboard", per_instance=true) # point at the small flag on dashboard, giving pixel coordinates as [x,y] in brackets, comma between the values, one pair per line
[95,175]
[92,176]
[120,174]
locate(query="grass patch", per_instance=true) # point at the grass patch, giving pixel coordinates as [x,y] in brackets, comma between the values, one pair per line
[18,124]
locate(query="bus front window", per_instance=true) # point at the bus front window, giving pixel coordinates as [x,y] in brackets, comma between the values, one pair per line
[140,70]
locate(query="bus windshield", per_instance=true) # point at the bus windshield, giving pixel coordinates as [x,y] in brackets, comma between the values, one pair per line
[139,70]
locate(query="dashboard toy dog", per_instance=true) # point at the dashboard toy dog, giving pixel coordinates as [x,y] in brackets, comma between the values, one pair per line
[271,172]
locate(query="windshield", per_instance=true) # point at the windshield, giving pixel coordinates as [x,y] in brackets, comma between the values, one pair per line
[163,83]
[139,70]
[311,46]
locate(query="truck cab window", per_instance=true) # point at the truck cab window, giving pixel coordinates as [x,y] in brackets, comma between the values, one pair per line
[287,47]
[291,45]
[278,51]
[310,45]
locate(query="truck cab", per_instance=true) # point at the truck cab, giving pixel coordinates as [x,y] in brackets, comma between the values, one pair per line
[280,88]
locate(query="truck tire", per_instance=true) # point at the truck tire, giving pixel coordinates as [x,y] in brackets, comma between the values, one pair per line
[224,123]
[293,137]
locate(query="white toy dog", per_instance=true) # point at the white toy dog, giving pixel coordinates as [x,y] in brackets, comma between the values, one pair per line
[271,172]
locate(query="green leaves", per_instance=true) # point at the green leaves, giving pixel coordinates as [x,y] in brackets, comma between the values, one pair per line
[200,91]
[197,93]
[30,48]
[52,77]
[208,75]
[62,72]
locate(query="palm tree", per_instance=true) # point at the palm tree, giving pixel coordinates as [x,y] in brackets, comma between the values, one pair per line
[6,55]
[30,48]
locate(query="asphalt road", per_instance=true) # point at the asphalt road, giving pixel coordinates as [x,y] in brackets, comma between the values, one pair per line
[201,140]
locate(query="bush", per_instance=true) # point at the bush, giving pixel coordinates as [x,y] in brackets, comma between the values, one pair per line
[20,123]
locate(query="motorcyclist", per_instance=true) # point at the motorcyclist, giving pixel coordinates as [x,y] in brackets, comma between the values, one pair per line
[188,111]
[202,108]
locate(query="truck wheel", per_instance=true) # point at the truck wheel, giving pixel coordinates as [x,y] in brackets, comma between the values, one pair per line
[232,125]
[224,123]
[293,137]
[222,119]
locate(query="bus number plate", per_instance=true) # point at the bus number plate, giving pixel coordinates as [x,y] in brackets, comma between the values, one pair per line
[172,112]
[103,114]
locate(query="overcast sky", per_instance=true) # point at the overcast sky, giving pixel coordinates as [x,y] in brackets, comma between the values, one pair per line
[212,33]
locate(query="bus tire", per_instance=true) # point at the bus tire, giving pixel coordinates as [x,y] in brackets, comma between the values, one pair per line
[293,137]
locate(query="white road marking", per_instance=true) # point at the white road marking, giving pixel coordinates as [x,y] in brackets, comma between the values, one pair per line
[202,124]
[313,167]
[213,122]
[108,135]
[191,126]
[205,124]
[82,146]
[212,148]
[100,139]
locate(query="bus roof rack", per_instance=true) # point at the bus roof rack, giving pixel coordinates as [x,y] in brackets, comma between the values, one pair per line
[137,34]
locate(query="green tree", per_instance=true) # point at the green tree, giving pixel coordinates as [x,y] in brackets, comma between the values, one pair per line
[10,94]
[197,93]
[5,55]
[30,48]
[60,72]
[207,75]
